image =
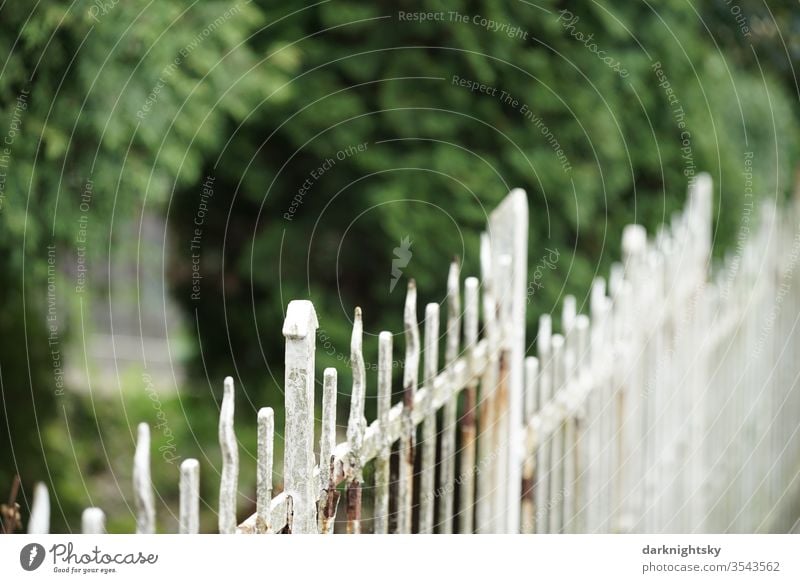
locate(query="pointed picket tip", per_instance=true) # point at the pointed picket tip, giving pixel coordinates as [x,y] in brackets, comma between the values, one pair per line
[356,336]
[39,521]
[301,319]
[230,461]
[410,308]
[356,349]
[431,347]
[356,424]
[453,274]
[385,340]
[454,288]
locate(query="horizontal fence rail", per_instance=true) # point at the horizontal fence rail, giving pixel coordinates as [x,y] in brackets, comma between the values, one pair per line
[670,406]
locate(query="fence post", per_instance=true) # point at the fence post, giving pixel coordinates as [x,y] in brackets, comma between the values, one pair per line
[300,329]
[508,227]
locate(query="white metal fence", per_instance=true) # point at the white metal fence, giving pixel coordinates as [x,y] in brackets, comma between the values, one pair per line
[671,406]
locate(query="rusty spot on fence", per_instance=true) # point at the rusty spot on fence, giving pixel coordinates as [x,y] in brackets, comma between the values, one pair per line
[468,418]
[328,502]
[287,529]
[527,485]
[502,384]
[408,396]
[354,507]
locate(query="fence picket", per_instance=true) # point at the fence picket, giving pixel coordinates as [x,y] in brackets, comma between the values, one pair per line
[555,501]
[356,425]
[596,409]
[543,437]
[447,481]
[408,441]
[329,496]
[230,462]
[382,469]
[569,429]
[579,462]
[487,446]
[142,484]
[468,425]
[266,434]
[427,472]
[502,469]
[93,521]
[529,465]
[39,521]
[189,521]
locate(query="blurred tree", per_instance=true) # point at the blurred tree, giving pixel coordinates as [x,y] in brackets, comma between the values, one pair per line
[759,36]
[409,129]
[107,107]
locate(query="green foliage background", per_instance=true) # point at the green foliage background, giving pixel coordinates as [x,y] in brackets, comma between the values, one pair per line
[270,93]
